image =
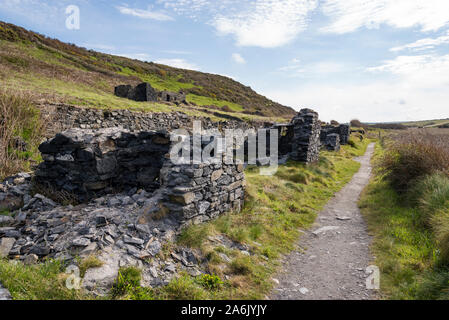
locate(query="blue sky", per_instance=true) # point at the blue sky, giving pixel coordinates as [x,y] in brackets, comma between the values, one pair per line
[376,60]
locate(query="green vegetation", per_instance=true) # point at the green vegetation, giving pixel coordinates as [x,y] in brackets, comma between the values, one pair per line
[21,131]
[88,263]
[45,281]
[406,207]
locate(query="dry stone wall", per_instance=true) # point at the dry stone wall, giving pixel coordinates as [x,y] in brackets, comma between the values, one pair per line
[306,136]
[343,130]
[89,163]
[66,117]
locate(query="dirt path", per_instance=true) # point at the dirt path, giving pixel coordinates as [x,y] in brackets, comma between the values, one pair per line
[333,256]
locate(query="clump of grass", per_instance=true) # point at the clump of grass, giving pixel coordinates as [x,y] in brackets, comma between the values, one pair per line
[210,281]
[19,119]
[127,285]
[194,236]
[242,266]
[183,288]
[89,263]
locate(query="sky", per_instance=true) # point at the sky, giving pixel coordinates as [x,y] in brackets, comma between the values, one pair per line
[374,60]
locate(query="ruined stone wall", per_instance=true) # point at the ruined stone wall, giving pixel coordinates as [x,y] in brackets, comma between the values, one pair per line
[90,163]
[342,130]
[201,192]
[306,139]
[332,142]
[66,117]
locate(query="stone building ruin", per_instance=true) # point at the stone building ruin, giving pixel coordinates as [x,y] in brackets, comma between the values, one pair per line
[145,92]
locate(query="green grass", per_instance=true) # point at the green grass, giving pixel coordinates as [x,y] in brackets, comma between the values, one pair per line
[406,249]
[44,281]
[207,101]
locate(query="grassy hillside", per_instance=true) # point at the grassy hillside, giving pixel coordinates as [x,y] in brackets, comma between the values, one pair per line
[63,72]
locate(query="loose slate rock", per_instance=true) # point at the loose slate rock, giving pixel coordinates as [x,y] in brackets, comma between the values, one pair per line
[6,245]
[81,242]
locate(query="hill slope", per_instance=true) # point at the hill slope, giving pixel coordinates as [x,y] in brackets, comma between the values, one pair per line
[67,73]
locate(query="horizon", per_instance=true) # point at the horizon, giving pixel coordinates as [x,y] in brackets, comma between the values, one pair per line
[367,61]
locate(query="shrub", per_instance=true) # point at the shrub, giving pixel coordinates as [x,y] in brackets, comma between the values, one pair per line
[413,156]
[210,281]
[431,194]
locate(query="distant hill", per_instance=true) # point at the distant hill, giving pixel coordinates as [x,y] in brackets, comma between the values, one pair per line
[427,123]
[55,70]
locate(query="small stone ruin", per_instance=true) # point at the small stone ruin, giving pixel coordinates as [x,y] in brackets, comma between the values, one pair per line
[332,142]
[145,92]
[142,92]
[342,130]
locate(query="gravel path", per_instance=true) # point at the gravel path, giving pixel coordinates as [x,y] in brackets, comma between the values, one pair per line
[332,258]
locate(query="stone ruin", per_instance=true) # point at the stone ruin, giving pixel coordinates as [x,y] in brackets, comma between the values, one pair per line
[343,131]
[306,136]
[89,164]
[332,142]
[142,92]
[145,92]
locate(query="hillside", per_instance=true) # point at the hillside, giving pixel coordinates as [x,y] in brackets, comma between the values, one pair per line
[61,72]
[427,123]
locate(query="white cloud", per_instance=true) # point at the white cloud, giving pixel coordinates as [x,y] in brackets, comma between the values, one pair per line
[411,88]
[424,44]
[266,23]
[98,46]
[178,63]
[295,68]
[238,58]
[375,102]
[136,56]
[350,15]
[40,12]
[429,71]
[259,23]
[144,14]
